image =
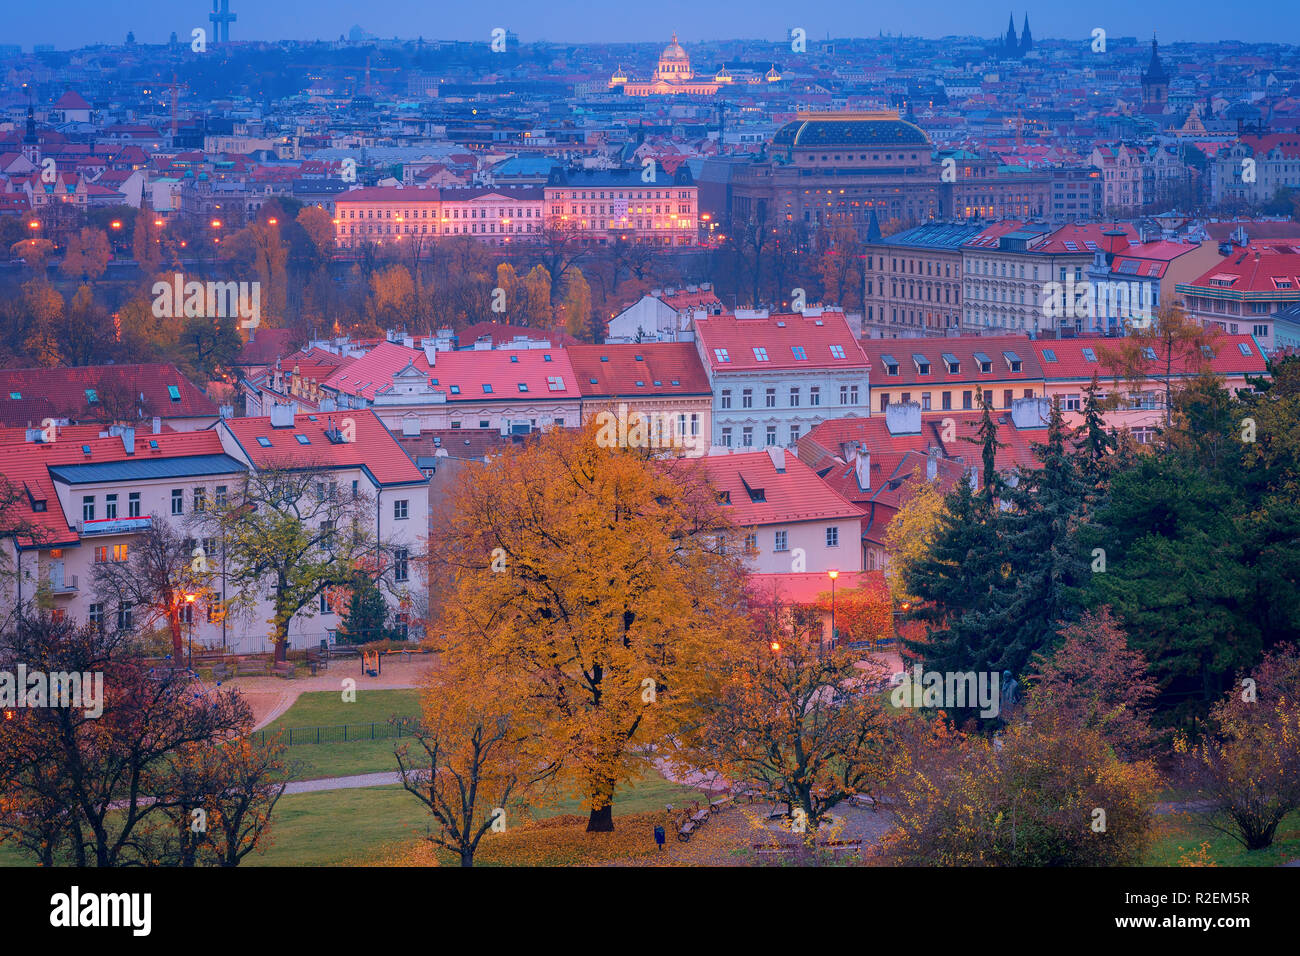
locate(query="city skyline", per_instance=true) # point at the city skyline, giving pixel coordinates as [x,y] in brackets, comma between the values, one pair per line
[152,21]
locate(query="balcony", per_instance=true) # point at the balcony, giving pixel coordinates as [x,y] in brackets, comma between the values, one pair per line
[59,581]
[113,526]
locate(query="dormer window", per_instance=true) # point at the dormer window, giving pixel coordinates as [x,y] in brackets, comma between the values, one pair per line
[721,355]
[954,366]
[760,354]
[837,351]
[1090,355]
[800,354]
[922,363]
[1013,361]
[891,364]
[985,363]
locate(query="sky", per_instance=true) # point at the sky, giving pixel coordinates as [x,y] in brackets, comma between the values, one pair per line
[82,22]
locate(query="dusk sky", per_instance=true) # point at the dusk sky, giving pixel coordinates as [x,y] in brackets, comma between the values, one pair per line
[79,22]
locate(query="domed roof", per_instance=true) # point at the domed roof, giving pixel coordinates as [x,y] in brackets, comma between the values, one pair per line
[674,51]
[866,129]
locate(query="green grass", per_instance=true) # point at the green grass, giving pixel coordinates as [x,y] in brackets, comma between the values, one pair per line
[359,826]
[1180,835]
[326,709]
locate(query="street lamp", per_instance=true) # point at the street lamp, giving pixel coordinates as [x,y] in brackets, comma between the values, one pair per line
[189,601]
[833,573]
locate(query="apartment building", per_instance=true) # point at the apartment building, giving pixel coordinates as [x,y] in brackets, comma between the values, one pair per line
[497,215]
[1243,292]
[643,204]
[913,281]
[954,374]
[775,376]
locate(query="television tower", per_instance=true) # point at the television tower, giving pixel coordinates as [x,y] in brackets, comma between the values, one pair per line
[221,20]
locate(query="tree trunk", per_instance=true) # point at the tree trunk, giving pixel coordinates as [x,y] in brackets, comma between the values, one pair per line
[601,819]
[281,645]
[178,645]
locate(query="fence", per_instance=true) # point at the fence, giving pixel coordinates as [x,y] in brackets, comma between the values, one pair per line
[338,733]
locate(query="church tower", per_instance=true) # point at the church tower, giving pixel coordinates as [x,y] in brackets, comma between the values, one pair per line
[31,142]
[1026,40]
[1155,83]
[1010,46]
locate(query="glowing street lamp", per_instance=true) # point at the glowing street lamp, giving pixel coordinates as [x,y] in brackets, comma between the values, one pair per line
[833,573]
[189,600]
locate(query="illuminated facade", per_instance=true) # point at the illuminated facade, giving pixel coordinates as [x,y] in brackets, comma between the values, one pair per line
[674,75]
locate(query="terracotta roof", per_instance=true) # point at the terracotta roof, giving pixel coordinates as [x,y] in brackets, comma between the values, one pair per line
[374,449]
[627,371]
[69,391]
[909,356]
[780,341]
[265,347]
[26,465]
[757,494]
[1078,358]
[1270,267]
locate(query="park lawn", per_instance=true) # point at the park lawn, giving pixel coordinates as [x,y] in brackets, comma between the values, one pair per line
[314,761]
[1180,835]
[386,825]
[326,708]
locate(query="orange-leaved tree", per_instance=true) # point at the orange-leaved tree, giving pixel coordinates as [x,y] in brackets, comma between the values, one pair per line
[598,583]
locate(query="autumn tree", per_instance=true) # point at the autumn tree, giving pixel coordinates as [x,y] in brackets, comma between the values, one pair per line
[290,527]
[1092,680]
[1047,793]
[537,298]
[1164,351]
[1248,766]
[45,307]
[910,533]
[87,332]
[99,775]
[87,255]
[594,579]
[162,568]
[801,723]
[577,303]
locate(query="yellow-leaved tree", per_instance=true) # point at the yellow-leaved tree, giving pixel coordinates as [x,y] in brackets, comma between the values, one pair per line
[911,532]
[600,587]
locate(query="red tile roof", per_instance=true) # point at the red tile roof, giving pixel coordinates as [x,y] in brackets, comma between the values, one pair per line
[502,334]
[26,465]
[627,371]
[374,449]
[824,341]
[65,389]
[1270,268]
[963,348]
[796,494]
[1073,364]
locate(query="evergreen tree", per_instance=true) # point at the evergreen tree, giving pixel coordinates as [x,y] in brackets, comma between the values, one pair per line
[1095,441]
[986,436]
[367,616]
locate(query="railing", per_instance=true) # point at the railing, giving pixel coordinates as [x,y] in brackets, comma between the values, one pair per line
[338,733]
[113,525]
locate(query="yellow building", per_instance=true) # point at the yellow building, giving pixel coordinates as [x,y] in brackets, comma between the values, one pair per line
[674,75]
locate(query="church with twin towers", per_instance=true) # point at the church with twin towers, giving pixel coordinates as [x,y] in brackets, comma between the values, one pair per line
[1012,48]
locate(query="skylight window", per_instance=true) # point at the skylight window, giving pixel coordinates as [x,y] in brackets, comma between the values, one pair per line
[15,395]
[1049,355]
[455,389]
[556,384]
[1149,353]
[760,353]
[800,353]
[523,386]
[837,351]
[264,441]
[174,393]
[91,397]
[1207,351]
[487,388]
[721,355]
[515,359]
[303,439]
[1245,348]
[546,356]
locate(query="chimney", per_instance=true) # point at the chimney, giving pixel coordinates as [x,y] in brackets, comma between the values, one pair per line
[156,425]
[862,467]
[430,352]
[282,415]
[128,439]
[36,435]
[932,464]
[777,455]
[903,418]
[1033,412]
[410,427]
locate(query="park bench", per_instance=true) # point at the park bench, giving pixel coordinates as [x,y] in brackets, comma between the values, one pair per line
[222,671]
[720,804]
[684,834]
[243,667]
[284,669]
[699,816]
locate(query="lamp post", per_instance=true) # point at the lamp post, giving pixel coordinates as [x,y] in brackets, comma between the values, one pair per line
[189,602]
[833,573]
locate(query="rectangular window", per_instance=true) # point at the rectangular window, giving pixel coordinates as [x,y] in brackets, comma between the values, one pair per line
[794,396]
[814,395]
[88,508]
[101,553]
[751,543]
[110,506]
[726,438]
[95,614]
[966,398]
[1006,397]
[771,436]
[832,537]
[747,437]
[401,558]
[1072,403]
[200,499]
[125,618]
[925,401]
[219,499]
[121,552]
[884,400]
[133,505]
[769,398]
[725,400]
[781,542]
[747,398]
[400,509]
[947,401]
